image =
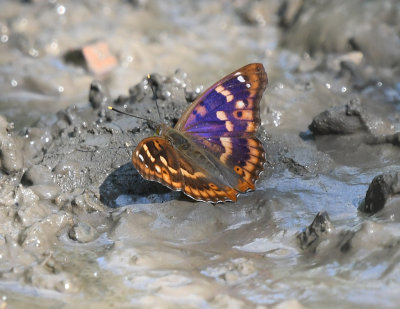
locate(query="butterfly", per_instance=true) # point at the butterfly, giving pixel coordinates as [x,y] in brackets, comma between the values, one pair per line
[212,153]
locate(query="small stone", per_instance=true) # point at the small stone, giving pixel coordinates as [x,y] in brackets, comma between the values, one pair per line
[99,58]
[98,94]
[313,234]
[345,119]
[379,191]
[82,232]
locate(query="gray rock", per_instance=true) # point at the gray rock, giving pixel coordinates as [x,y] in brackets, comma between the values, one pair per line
[98,95]
[345,119]
[379,191]
[314,233]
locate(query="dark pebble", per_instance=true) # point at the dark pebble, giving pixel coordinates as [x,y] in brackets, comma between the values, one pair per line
[380,190]
[311,237]
[345,119]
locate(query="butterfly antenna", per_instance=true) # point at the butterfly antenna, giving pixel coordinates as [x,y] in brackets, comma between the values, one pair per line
[154,96]
[134,116]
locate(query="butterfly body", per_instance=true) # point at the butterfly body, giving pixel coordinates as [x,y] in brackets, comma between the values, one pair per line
[212,153]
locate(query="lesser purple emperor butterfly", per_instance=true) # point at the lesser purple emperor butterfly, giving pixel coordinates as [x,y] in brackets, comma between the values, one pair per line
[212,153]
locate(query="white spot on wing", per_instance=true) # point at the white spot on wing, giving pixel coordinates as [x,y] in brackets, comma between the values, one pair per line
[219,89]
[240,79]
[229,126]
[240,104]
[248,85]
[141,157]
[237,73]
[163,160]
[221,115]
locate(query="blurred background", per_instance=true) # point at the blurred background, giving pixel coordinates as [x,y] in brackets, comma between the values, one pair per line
[42,68]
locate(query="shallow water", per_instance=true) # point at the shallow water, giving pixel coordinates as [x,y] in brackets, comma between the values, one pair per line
[79,226]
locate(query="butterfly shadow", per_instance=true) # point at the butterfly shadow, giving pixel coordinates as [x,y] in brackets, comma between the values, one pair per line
[125,186]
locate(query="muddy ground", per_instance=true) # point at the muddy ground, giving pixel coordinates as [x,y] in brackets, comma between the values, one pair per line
[81,228]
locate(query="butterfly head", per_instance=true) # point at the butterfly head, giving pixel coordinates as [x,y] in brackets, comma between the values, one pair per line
[159,129]
[162,129]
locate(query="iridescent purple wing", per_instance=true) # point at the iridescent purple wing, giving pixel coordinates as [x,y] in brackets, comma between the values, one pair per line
[224,120]
[230,107]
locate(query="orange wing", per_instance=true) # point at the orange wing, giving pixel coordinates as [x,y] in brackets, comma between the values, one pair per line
[157,160]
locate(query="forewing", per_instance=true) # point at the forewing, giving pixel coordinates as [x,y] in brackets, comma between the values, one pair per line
[230,107]
[224,120]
